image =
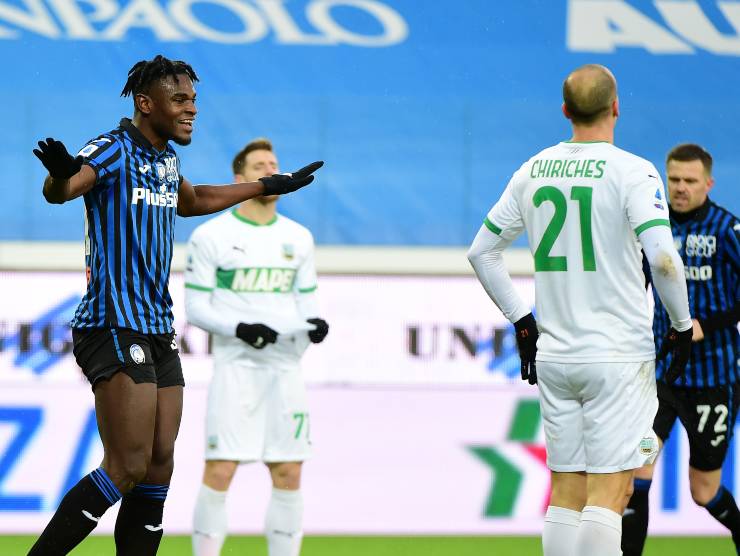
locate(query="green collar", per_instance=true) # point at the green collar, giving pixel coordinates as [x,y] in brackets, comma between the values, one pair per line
[252,222]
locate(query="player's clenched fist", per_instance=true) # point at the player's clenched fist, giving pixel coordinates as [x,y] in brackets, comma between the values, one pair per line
[526,340]
[54,156]
[318,334]
[256,335]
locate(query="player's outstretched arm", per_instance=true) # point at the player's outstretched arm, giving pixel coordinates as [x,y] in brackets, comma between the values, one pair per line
[68,178]
[198,200]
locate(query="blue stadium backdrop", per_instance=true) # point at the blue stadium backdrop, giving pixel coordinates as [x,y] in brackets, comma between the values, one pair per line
[422,110]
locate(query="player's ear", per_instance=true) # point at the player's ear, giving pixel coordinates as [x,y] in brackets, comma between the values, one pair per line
[565,111]
[239,178]
[143,103]
[615,108]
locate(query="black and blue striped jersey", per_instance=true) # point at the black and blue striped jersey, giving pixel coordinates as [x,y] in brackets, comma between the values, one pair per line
[129,230]
[708,240]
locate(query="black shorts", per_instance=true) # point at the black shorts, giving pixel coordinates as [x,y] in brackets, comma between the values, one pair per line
[707,414]
[102,352]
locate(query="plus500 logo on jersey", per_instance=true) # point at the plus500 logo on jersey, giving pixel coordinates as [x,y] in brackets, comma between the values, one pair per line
[163,199]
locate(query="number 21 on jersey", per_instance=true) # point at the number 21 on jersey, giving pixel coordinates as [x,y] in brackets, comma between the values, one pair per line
[543,261]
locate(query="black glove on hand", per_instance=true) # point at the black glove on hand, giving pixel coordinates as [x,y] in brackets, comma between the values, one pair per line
[54,156]
[278,184]
[318,334]
[526,340]
[256,335]
[678,344]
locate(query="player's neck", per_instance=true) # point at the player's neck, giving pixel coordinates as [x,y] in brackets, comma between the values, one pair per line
[593,134]
[257,211]
[146,130]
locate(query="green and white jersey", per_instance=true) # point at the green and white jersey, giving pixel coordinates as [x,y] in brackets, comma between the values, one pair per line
[254,274]
[583,206]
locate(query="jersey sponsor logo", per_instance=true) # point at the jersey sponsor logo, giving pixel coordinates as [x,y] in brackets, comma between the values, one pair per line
[137,354]
[699,245]
[163,199]
[698,273]
[256,280]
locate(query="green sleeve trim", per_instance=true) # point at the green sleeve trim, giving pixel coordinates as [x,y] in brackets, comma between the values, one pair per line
[307,290]
[491,226]
[650,223]
[199,288]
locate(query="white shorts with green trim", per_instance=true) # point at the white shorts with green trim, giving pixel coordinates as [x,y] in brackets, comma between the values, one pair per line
[598,417]
[257,414]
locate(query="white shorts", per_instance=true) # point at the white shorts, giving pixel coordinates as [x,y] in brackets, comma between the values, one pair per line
[257,414]
[598,417]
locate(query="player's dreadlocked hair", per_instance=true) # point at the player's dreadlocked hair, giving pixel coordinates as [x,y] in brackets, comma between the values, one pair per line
[144,73]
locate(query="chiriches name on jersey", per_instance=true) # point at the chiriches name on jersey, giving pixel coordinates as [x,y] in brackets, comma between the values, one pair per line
[576,168]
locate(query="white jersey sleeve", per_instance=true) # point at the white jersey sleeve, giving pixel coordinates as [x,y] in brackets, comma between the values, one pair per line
[485,255]
[505,217]
[200,281]
[645,200]
[306,283]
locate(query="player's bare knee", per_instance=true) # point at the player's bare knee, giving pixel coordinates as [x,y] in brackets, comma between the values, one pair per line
[286,475]
[218,474]
[702,492]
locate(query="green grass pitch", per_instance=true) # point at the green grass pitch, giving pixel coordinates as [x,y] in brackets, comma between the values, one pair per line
[390,546]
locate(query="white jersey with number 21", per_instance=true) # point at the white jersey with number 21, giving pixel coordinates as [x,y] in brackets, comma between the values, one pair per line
[583,206]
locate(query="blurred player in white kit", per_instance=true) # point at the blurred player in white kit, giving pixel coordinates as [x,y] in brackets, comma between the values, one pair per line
[588,207]
[250,281]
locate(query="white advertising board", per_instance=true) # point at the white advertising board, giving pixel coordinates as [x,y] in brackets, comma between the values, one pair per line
[416,425]
[384,330]
[386,460]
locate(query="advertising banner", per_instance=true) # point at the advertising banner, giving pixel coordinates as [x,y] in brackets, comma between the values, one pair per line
[384,330]
[407,460]
[418,420]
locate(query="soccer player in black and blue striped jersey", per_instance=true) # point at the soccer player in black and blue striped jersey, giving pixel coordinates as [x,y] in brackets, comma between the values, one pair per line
[706,398]
[123,336]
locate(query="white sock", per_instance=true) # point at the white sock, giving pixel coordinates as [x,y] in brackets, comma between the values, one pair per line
[560,532]
[209,522]
[600,532]
[284,523]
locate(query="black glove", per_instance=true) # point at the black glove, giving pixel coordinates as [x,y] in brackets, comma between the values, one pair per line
[54,156]
[318,334]
[678,344]
[526,340]
[256,335]
[278,184]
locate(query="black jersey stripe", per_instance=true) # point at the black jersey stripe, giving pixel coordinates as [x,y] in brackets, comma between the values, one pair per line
[130,233]
[712,260]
